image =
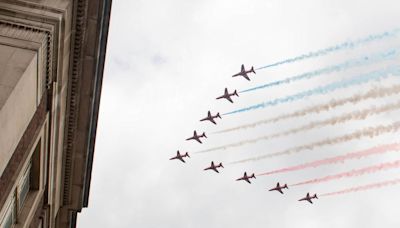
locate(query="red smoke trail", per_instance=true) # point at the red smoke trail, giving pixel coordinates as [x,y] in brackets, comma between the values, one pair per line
[352,173]
[327,161]
[363,187]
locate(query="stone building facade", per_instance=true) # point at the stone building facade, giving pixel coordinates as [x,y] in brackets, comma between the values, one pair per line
[52,56]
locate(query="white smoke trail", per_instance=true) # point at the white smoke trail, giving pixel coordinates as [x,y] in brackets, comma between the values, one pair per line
[370,132]
[356,115]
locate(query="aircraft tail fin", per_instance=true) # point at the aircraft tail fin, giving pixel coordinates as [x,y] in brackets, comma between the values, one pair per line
[252,70]
[187,154]
[218,115]
[315,196]
[220,164]
[204,135]
[235,93]
[253,176]
[285,186]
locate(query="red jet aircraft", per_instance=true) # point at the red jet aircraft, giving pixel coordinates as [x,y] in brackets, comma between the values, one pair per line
[244,72]
[228,95]
[179,156]
[246,178]
[197,137]
[211,117]
[309,198]
[215,167]
[279,188]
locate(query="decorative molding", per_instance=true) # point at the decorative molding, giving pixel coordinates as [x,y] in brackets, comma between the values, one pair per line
[32,34]
[79,24]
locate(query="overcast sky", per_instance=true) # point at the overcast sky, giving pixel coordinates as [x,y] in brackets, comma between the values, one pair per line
[167,61]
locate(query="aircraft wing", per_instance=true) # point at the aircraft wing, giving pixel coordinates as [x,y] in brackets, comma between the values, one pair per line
[246,77]
[280,190]
[215,169]
[204,119]
[242,69]
[248,181]
[198,140]
[213,121]
[309,200]
[229,99]
[180,158]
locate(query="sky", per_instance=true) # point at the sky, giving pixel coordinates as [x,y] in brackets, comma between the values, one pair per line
[166,63]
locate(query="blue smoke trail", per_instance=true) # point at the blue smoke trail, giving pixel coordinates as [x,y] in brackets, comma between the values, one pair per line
[360,79]
[362,61]
[342,46]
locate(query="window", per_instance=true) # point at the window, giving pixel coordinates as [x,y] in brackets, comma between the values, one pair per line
[25,188]
[10,216]
[34,175]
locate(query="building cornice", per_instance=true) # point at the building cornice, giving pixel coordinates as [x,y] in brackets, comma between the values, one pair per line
[88,55]
[79,15]
[31,31]
[101,56]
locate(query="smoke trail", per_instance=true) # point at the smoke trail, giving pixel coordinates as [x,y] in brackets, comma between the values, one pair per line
[352,173]
[342,158]
[362,61]
[338,47]
[371,94]
[363,187]
[356,115]
[370,131]
[360,79]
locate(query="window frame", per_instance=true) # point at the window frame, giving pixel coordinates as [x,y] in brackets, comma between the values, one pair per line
[23,213]
[9,213]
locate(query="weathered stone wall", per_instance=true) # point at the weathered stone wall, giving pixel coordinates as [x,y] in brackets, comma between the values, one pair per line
[18,97]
